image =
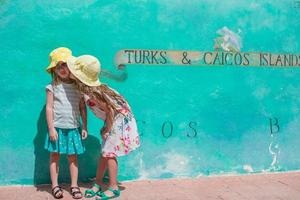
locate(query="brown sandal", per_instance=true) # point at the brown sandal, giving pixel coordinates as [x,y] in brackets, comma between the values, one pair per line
[74,191]
[55,192]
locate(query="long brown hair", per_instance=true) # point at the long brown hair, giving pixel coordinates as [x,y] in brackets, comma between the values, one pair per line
[104,94]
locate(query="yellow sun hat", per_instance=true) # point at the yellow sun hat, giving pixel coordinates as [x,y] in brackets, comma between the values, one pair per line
[58,54]
[86,68]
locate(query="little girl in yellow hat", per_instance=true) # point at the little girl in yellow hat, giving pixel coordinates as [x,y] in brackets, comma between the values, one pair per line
[119,133]
[64,107]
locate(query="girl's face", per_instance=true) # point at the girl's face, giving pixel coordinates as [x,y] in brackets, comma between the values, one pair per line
[62,70]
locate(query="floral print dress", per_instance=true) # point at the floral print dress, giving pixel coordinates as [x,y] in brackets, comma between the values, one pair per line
[123,137]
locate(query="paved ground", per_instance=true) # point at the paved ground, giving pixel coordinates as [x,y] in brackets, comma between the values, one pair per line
[281,186]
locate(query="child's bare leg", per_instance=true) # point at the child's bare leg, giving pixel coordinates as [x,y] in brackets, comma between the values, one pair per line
[54,168]
[102,164]
[112,165]
[73,165]
[101,167]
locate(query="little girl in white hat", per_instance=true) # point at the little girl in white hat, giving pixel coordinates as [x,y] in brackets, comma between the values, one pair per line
[119,133]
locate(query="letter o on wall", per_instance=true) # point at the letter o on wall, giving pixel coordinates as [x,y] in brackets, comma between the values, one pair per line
[240,59]
[164,129]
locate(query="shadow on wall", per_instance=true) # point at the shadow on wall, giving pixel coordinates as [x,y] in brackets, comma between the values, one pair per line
[41,162]
[87,161]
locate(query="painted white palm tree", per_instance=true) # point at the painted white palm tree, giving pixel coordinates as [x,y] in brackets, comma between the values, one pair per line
[228,41]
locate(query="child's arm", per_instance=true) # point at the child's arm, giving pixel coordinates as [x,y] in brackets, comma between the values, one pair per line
[82,109]
[49,115]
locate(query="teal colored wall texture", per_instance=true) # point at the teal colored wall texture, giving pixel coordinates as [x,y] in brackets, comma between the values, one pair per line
[193,121]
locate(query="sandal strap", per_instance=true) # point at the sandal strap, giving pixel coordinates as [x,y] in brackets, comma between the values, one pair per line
[91,192]
[56,190]
[75,190]
[97,186]
[104,196]
[99,193]
[116,192]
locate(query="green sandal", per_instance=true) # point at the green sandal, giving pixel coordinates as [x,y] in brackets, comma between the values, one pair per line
[91,193]
[103,196]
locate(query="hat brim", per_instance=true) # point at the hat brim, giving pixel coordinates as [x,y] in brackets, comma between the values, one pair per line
[50,67]
[78,74]
[53,65]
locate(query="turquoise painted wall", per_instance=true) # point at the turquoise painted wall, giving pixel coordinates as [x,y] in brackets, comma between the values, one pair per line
[220,118]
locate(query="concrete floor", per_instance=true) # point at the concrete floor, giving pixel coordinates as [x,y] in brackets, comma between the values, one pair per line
[283,186]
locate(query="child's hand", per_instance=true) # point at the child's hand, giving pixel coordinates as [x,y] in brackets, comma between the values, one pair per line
[84,134]
[53,135]
[103,133]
